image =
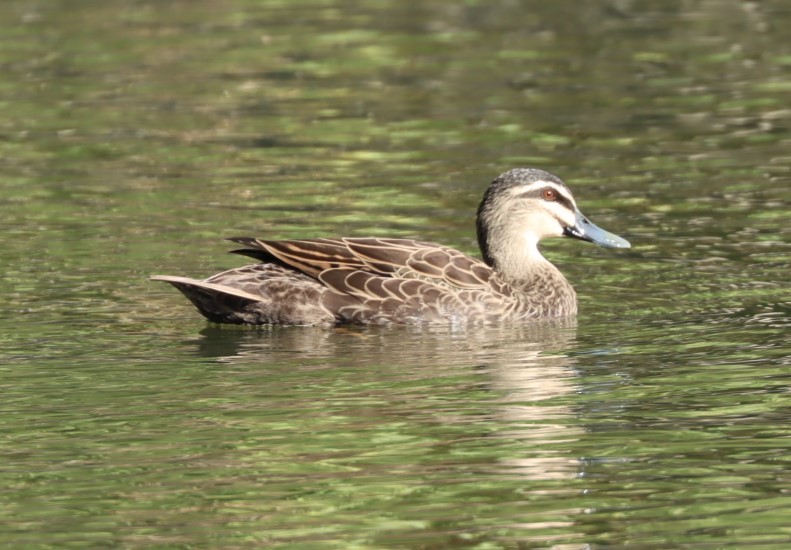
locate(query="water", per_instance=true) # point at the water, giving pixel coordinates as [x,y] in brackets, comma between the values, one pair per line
[134,136]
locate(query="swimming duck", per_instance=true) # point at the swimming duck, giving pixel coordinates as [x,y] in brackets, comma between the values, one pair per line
[381,281]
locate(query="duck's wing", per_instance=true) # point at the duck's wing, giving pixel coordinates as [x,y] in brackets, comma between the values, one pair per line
[410,259]
[310,256]
[373,280]
[364,297]
[396,258]
[417,282]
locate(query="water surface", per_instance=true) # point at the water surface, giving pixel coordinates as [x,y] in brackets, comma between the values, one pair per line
[134,136]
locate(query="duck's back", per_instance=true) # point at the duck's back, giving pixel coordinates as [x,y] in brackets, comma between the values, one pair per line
[364,280]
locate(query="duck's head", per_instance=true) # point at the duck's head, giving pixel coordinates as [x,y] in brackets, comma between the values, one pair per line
[527,205]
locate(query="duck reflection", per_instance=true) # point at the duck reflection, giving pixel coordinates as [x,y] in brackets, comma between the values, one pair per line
[448,412]
[523,371]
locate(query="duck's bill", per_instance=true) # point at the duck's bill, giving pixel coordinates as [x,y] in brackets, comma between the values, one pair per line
[586,230]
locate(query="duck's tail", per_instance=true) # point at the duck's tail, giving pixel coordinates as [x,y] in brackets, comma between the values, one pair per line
[218,303]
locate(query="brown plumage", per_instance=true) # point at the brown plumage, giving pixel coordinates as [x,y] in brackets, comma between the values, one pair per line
[381,281]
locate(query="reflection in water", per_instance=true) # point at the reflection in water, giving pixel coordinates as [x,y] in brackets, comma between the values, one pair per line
[522,369]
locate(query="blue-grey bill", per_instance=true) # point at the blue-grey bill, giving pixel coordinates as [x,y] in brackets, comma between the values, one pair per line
[586,230]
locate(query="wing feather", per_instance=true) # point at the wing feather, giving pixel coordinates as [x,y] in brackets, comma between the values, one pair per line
[387,280]
[311,256]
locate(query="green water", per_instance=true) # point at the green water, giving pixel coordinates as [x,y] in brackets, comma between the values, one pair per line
[135,135]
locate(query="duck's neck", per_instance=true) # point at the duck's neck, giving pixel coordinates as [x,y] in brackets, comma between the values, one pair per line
[541,285]
[520,262]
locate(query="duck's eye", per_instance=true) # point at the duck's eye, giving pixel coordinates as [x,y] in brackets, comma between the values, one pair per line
[549,194]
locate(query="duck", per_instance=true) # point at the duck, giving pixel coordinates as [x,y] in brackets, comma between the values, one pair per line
[382,281]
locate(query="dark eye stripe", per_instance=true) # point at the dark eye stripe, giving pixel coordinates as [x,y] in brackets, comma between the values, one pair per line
[538,194]
[562,199]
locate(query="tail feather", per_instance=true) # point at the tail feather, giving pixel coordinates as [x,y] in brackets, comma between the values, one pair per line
[211,287]
[218,303]
[261,294]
